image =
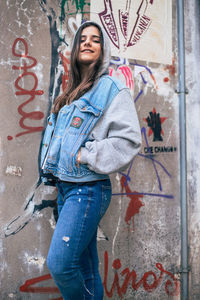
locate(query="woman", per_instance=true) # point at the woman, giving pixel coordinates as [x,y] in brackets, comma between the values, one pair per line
[93,131]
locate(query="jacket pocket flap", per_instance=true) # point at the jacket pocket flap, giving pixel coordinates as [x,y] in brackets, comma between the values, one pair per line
[83,107]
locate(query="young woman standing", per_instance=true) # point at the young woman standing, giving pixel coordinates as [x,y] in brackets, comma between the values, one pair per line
[93,131]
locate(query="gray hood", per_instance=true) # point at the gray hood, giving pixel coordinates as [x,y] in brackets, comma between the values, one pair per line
[106,49]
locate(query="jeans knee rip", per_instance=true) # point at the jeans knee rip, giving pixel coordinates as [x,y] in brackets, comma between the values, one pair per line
[66,239]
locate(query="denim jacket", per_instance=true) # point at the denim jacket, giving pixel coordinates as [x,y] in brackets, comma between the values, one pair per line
[68,131]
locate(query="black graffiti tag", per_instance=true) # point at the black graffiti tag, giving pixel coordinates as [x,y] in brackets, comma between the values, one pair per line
[154,122]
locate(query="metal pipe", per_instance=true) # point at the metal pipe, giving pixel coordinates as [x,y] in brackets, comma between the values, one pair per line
[183,158]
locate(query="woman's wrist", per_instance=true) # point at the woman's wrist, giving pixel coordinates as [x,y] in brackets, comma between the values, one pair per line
[78,157]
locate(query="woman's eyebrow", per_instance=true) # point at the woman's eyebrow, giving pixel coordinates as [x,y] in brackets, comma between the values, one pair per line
[94,36]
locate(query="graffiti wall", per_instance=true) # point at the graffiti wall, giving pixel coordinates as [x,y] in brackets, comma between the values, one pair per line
[139,237]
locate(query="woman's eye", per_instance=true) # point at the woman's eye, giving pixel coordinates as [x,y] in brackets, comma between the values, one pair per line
[94,41]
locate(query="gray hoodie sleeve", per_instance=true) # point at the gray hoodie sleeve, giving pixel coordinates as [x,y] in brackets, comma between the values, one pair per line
[116,137]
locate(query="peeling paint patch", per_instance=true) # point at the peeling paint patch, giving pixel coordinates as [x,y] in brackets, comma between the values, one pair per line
[3,263]
[2,187]
[101,235]
[66,239]
[35,260]
[14,170]
[3,266]
[38,226]
[1,148]
[52,222]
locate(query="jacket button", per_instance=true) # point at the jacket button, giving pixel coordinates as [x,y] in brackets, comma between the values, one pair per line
[50,123]
[45,145]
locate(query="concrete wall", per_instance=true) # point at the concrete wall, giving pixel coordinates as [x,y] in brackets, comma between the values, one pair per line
[139,238]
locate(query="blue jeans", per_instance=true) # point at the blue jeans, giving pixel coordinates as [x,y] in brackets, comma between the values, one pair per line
[73,258]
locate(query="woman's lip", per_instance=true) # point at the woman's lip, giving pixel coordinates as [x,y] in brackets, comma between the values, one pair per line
[87,50]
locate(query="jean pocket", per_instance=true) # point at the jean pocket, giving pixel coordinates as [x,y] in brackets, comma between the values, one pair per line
[60,200]
[105,198]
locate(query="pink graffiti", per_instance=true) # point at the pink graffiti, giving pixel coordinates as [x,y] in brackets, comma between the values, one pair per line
[21,91]
[124,73]
[149,280]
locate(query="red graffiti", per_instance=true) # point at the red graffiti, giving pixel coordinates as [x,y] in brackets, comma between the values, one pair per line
[29,286]
[135,203]
[156,121]
[66,63]
[20,49]
[149,280]
[171,68]
[166,79]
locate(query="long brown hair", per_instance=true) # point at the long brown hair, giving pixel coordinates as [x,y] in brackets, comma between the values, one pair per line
[77,85]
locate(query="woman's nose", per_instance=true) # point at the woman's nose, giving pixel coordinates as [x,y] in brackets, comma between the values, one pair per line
[88,42]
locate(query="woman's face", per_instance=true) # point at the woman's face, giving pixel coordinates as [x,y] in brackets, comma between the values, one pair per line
[90,46]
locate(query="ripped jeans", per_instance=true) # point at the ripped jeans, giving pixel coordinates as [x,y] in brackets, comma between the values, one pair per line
[73,258]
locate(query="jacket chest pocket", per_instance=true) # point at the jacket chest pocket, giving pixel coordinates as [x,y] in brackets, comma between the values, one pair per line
[82,119]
